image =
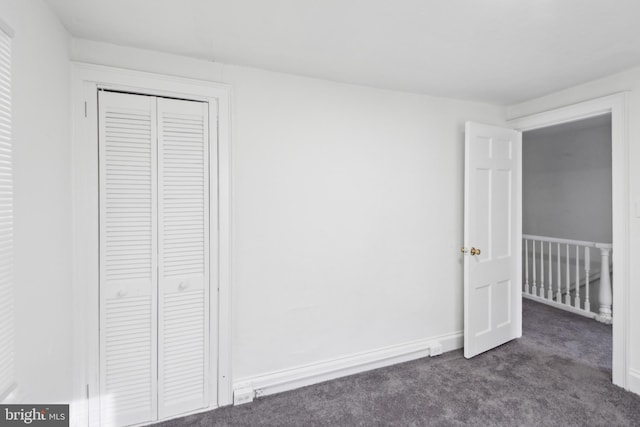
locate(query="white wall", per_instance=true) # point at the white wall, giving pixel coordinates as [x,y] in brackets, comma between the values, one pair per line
[347,218]
[566,181]
[42,200]
[347,206]
[347,211]
[626,81]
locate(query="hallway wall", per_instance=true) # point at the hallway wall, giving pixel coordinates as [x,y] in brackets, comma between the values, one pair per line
[566,181]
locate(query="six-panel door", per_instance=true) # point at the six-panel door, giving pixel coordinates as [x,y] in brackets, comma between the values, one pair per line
[492,225]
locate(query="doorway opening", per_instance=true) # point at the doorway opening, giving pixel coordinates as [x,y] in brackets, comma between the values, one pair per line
[616,105]
[567,229]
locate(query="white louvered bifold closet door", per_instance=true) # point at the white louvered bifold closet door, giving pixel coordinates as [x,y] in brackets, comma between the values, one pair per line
[183,197]
[154,242]
[128,261]
[7,353]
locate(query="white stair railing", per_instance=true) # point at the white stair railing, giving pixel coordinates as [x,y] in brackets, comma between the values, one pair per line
[575,292]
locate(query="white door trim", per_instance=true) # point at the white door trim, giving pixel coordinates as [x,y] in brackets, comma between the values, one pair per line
[86,80]
[616,104]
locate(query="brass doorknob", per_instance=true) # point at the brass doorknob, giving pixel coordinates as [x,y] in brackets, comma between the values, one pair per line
[475,251]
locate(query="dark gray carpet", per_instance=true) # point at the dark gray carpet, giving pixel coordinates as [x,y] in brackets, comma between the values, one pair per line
[557,374]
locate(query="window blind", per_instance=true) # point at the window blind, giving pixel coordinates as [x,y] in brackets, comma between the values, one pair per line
[6,221]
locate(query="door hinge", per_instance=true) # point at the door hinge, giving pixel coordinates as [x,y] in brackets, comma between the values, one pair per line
[85,108]
[87,391]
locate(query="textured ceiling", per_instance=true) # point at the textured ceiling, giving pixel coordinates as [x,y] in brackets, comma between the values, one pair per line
[495,51]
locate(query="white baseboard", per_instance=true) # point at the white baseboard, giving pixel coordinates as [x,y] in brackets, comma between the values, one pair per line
[300,376]
[633,382]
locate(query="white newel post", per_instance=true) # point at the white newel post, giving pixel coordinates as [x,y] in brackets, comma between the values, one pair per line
[605,294]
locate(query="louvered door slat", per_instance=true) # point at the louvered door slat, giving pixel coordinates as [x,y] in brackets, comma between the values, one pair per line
[183,186]
[128,259]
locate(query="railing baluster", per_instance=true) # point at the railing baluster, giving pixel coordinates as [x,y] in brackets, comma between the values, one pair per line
[541,295]
[533,251]
[527,289]
[587,266]
[576,299]
[567,297]
[559,284]
[560,296]
[550,292]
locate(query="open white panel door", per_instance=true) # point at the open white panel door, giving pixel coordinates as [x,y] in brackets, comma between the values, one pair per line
[492,237]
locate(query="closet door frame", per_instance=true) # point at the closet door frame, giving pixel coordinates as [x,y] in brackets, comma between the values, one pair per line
[87,80]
